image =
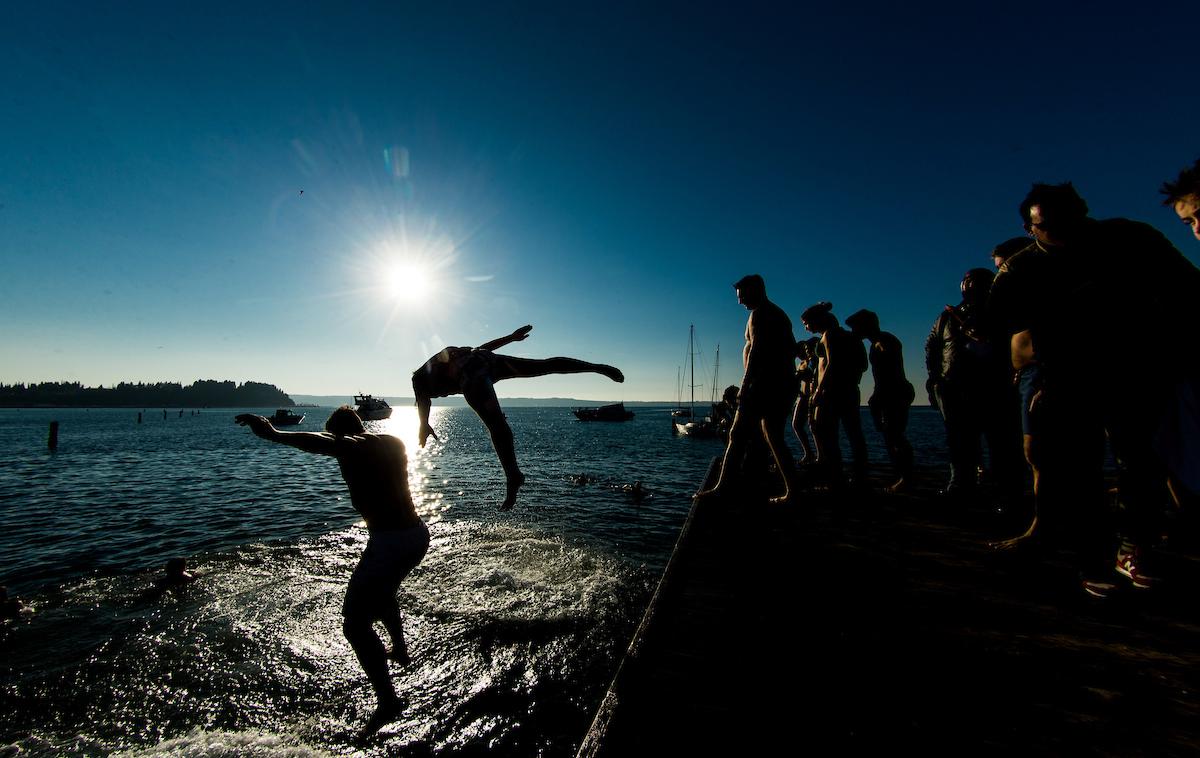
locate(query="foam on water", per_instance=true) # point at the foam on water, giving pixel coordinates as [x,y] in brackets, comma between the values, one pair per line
[499,617]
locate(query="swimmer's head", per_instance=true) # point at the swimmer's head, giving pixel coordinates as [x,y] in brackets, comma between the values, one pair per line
[176,567]
[344,422]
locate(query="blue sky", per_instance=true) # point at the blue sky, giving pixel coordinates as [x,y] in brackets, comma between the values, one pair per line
[602,171]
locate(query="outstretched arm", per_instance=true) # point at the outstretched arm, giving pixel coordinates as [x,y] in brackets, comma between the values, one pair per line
[499,342]
[320,443]
[424,430]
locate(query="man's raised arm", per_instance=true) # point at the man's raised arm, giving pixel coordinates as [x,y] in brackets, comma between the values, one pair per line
[321,443]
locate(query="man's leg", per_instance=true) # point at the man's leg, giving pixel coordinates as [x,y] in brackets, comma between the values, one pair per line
[394,624]
[852,422]
[359,610]
[734,451]
[773,431]
[825,435]
[481,396]
[800,427]
[507,367]
[895,424]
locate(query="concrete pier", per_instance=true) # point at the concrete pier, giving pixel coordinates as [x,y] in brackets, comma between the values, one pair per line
[857,624]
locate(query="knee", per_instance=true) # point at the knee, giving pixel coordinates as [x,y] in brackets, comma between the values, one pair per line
[355,628]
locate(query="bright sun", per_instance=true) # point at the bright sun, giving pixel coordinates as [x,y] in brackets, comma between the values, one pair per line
[407,283]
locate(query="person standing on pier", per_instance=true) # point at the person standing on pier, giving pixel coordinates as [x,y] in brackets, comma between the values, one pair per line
[893,394]
[375,469]
[767,392]
[473,372]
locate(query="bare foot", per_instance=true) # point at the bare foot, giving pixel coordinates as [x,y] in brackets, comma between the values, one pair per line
[510,497]
[398,656]
[895,488]
[387,712]
[612,372]
[1030,539]
[786,499]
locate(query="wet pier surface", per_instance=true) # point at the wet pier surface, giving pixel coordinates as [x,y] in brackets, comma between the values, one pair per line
[868,622]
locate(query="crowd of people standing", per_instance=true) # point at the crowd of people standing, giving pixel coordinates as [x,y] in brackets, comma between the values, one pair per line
[1022,365]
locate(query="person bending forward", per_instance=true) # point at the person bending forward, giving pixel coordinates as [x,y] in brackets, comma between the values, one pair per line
[376,472]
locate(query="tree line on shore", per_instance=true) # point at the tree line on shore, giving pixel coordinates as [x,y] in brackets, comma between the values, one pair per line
[202,393]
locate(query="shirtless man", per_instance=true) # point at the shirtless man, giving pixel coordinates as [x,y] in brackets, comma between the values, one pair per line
[768,388]
[893,394]
[376,472]
[473,372]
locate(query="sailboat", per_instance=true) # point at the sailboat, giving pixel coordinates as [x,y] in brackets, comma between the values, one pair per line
[690,425]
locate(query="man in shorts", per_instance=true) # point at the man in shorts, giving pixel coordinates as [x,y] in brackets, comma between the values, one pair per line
[472,371]
[375,469]
[768,389]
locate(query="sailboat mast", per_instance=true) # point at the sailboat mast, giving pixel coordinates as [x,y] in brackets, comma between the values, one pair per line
[692,363]
[716,373]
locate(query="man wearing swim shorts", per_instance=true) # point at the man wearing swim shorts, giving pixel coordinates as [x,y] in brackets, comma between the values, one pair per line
[767,393]
[375,469]
[473,372]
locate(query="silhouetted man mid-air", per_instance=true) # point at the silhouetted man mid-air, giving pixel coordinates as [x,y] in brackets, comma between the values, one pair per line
[376,472]
[768,388]
[473,372]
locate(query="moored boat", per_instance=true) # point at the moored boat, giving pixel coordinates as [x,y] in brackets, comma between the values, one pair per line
[372,408]
[284,417]
[613,412]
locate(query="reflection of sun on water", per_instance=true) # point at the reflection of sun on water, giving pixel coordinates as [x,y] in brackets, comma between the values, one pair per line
[403,424]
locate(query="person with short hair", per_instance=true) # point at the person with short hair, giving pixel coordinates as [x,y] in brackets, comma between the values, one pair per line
[1183,195]
[893,394]
[473,372]
[375,469]
[1007,249]
[1086,285]
[767,391]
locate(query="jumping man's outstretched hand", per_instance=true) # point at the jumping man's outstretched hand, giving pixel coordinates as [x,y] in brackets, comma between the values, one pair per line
[257,424]
[522,333]
[425,433]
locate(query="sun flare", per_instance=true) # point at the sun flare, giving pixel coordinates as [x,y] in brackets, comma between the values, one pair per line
[407,283]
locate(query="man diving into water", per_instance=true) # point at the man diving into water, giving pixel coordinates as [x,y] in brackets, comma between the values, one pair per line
[376,472]
[473,372]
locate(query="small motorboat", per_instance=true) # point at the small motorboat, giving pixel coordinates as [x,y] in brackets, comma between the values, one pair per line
[372,408]
[614,412]
[284,417]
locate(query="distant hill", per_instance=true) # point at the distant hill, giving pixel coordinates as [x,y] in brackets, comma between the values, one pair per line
[205,393]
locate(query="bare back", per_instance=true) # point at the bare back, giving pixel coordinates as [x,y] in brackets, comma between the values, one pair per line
[375,468]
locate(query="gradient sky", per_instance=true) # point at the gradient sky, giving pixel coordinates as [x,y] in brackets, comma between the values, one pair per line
[602,171]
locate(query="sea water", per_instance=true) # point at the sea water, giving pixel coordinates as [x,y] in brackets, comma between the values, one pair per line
[516,620]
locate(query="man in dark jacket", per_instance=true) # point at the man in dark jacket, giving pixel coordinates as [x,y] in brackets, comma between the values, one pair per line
[969,383]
